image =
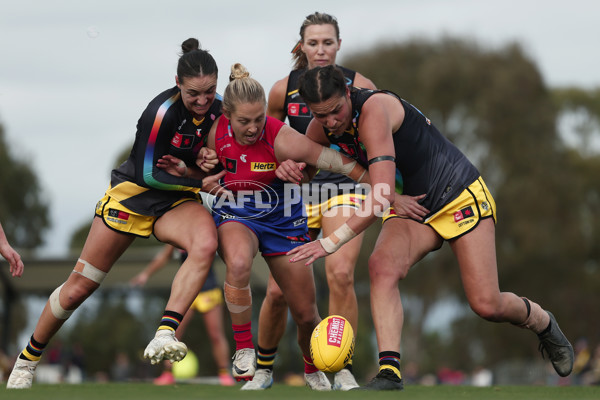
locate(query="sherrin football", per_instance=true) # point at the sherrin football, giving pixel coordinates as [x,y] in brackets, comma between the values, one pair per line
[332,344]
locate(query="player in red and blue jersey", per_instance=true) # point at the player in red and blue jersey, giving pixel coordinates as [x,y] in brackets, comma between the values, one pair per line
[330,199]
[143,200]
[263,212]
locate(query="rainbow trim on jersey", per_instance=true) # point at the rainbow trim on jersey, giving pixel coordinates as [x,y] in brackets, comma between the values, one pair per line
[151,144]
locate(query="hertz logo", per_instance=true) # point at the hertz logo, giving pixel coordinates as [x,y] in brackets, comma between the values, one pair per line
[262,166]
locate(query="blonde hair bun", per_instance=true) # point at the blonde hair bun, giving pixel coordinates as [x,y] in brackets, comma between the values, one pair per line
[238,71]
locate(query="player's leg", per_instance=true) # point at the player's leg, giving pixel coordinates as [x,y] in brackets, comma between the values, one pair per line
[272,320]
[401,244]
[102,248]
[298,286]
[476,255]
[238,245]
[189,227]
[339,268]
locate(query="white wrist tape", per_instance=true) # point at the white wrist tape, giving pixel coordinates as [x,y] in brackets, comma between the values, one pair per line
[331,160]
[341,235]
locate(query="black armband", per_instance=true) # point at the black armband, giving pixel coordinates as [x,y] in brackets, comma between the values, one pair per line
[382,158]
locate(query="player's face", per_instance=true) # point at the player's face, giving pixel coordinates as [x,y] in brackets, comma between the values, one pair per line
[198,93]
[320,45]
[334,113]
[247,122]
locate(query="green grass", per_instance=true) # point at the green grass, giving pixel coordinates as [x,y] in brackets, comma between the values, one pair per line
[147,391]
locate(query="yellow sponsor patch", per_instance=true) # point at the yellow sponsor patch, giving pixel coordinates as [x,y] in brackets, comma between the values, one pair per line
[262,166]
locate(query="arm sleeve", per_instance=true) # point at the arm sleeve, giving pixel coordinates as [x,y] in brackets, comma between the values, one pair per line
[155,130]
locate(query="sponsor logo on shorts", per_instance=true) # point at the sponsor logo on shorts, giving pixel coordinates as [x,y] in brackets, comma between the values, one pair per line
[299,222]
[298,239]
[117,216]
[485,205]
[262,166]
[466,212]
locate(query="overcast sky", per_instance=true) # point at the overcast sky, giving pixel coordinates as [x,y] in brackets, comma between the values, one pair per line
[76,75]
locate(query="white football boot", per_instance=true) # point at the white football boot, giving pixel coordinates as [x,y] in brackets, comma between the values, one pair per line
[263,379]
[344,380]
[165,346]
[317,381]
[21,376]
[244,364]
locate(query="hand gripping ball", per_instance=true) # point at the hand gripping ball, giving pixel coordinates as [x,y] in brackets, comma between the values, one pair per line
[332,344]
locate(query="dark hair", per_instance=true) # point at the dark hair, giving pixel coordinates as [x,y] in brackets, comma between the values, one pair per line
[321,83]
[194,61]
[317,18]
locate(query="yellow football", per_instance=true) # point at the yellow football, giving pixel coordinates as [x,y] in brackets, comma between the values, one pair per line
[332,344]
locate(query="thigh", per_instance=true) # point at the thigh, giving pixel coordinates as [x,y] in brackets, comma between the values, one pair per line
[186,225]
[476,255]
[104,246]
[403,242]
[238,245]
[295,280]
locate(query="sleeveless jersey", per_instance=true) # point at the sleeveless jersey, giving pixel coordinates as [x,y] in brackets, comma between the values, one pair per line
[165,127]
[251,177]
[299,116]
[426,161]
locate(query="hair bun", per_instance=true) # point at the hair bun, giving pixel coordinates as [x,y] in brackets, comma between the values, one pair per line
[238,71]
[190,44]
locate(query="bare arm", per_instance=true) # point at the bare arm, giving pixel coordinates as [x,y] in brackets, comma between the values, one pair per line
[10,254]
[159,261]
[292,145]
[363,82]
[276,102]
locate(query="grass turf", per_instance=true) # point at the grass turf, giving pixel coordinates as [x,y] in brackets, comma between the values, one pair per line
[147,391]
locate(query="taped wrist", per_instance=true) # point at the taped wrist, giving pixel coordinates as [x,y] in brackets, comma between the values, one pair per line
[237,299]
[331,160]
[341,235]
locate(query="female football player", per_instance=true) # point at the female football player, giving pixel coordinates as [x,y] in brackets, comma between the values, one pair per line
[391,136]
[143,200]
[260,154]
[326,209]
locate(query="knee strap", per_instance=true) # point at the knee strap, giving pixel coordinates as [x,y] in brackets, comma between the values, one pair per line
[57,310]
[87,270]
[237,299]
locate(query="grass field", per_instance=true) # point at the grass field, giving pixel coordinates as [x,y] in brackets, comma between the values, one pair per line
[147,391]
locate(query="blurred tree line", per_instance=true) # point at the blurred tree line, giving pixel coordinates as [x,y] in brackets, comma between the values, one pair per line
[536,147]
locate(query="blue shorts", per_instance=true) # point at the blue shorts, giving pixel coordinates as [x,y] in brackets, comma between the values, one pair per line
[280,230]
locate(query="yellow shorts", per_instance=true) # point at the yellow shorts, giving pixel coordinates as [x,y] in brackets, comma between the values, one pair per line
[206,301]
[315,212]
[120,218]
[462,214]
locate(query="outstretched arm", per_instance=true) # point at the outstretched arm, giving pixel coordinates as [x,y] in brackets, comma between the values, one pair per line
[11,255]
[159,261]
